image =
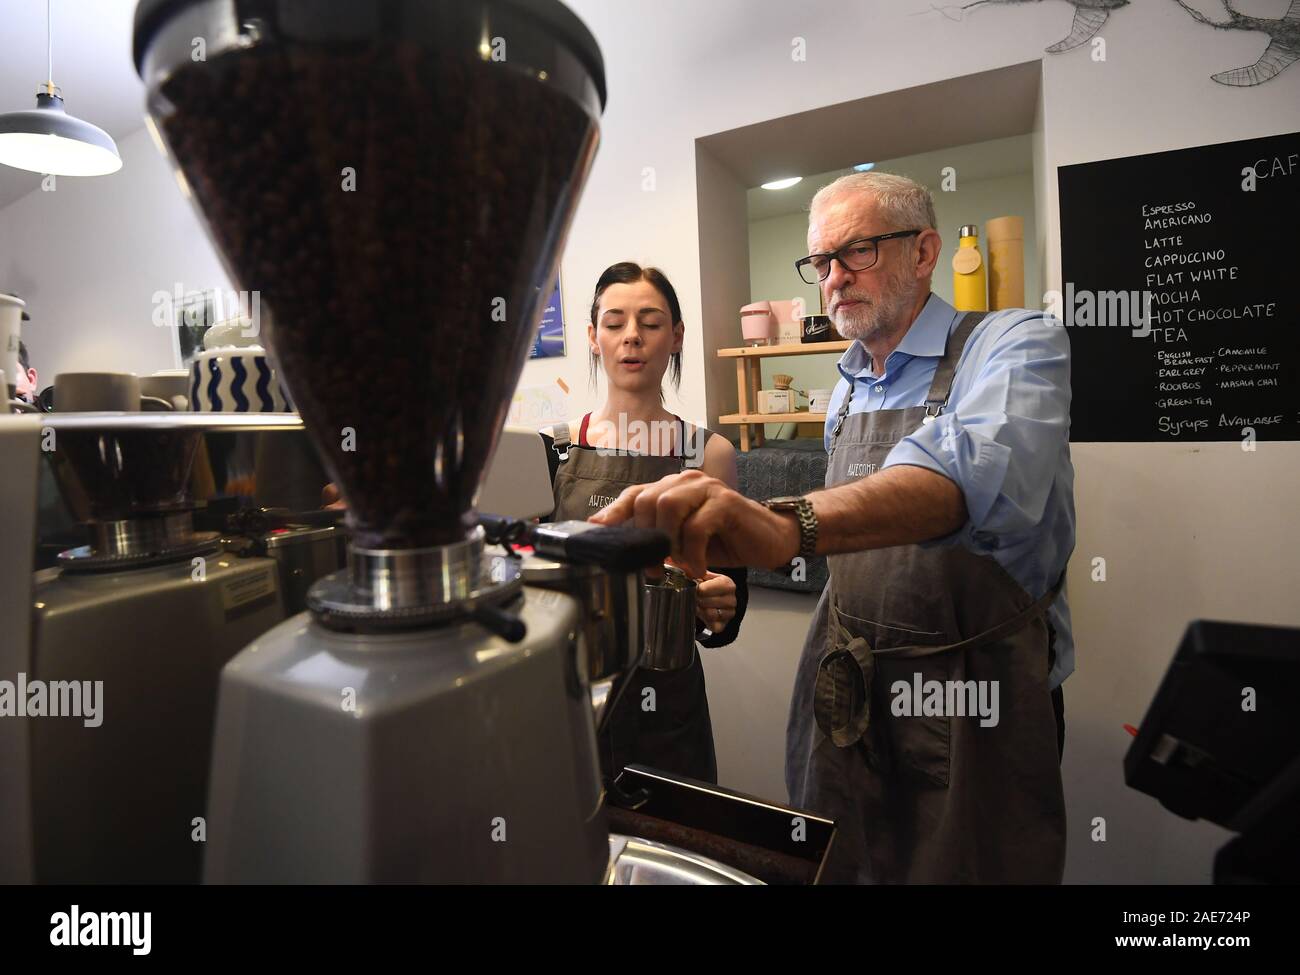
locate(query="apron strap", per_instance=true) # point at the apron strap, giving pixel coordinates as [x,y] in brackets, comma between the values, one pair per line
[844,411]
[560,434]
[937,398]
[991,635]
[561,441]
[693,459]
[940,387]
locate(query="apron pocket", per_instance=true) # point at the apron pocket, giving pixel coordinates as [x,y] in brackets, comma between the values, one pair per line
[918,745]
[842,693]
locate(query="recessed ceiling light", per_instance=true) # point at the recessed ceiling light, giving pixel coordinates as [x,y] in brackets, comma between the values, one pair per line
[864,167]
[782,184]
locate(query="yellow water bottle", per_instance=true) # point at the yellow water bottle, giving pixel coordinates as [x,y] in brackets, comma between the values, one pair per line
[969,288]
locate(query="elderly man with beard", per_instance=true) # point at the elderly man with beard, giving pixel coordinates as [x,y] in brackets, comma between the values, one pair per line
[927,715]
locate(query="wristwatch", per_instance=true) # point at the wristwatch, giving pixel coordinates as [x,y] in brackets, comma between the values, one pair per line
[802,509]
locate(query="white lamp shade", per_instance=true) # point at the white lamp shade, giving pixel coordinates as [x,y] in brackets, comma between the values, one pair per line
[47,139]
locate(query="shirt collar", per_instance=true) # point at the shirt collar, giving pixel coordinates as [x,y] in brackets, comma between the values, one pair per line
[927,336]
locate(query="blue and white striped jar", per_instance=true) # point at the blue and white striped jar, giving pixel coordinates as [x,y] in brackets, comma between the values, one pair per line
[236,380]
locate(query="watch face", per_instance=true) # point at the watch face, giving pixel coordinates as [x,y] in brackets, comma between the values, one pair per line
[783,501]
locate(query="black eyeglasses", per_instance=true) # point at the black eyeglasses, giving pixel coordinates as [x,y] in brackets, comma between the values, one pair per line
[856,255]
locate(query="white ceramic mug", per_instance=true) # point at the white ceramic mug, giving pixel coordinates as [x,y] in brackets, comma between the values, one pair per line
[172,385]
[102,392]
[236,380]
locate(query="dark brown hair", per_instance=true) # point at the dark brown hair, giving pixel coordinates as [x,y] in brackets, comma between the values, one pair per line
[628,272]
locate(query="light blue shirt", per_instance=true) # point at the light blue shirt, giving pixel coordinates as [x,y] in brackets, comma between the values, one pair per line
[1004,439]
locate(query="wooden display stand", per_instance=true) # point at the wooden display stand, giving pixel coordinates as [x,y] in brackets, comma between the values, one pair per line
[749,378]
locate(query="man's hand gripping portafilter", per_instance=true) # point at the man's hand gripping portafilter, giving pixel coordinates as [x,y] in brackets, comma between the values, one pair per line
[605,569]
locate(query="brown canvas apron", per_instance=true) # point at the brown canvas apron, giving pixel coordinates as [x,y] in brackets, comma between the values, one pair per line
[925,799]
[677,735]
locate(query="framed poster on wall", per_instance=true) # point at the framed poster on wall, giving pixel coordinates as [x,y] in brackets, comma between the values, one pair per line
[549,343]
[193,313]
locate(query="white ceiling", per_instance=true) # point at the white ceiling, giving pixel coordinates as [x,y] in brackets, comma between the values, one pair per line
[995,158]
[92,64]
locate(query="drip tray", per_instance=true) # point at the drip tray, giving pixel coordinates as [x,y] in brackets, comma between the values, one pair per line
[634,862]
[719,830]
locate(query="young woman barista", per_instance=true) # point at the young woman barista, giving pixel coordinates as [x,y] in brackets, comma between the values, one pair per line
[635,336]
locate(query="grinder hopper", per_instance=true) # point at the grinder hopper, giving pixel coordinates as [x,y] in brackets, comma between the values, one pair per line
[391,182]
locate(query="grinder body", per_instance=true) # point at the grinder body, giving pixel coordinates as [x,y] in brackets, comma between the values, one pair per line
[444,755]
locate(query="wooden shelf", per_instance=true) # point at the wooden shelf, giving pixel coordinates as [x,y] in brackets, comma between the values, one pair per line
[802,348]
[802,417]
[749,370]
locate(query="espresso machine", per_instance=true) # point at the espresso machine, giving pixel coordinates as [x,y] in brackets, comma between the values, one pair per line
[121,643]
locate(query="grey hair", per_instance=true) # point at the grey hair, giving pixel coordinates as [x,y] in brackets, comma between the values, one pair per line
[903,200]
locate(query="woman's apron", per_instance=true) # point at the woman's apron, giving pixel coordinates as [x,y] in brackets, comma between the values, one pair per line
[938,798]
[675,735]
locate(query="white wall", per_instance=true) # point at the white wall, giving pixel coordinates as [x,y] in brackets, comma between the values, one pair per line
[775,243]
[91,255]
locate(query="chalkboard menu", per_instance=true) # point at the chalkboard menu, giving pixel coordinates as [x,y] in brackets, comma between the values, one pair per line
[1181,276]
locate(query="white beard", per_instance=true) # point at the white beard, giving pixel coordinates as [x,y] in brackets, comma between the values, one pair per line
[877,317]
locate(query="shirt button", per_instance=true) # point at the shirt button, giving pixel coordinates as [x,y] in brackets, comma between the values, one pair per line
[880,389]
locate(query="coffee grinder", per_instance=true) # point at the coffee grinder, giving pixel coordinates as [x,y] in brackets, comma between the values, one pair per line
[395,181]
[131,630]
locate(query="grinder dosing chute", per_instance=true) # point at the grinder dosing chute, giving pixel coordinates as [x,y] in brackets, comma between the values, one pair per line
[392,181]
